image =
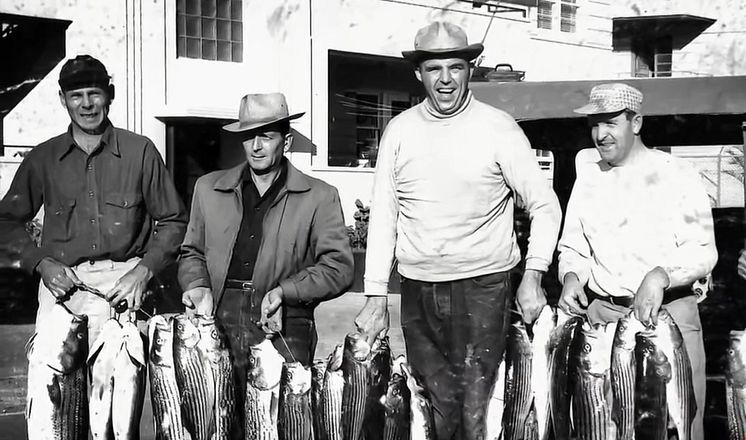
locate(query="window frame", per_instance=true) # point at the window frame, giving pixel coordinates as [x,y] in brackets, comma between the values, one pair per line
[210,30]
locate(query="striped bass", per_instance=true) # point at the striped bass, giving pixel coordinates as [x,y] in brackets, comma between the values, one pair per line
[560,343]
[682,405]
[380,373]
[356,371]
[219,371]
[653,372]
[541,369]
[623,373]
[421,425]
[101,359]
[592,398]
[318,371]
[57,401]
[396,404]
[518,395]
[328,411]
[295,421]
[496,405]
[735,385]
[193,377]
[164,393]
[262,392]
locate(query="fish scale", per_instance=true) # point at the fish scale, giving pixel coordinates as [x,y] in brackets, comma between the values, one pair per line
[262,392]
[260,425]
[356,372]
[192,379]
[623,372]
[735,385]
[653,372]
[396,404]
[518,395]
[219,369]
[421,426]
[329,413]
[295,421]
[380,373]
[164,391]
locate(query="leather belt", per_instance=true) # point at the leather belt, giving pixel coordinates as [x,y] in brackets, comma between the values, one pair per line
[669,295]
[239,284]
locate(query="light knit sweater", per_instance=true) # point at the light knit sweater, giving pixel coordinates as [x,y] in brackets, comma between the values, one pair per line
[443,197]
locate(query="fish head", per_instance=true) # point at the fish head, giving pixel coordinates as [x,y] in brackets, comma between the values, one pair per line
[393,400]
[357,346]
[210,339]
[75,345]
[133,342]
[185,332]
[519,338]
[296,377]
[737,358]
[595,347]
[668,329]
[334,362]
[265,365]
[318,371]
[626,329]
[647,344]
[161,338]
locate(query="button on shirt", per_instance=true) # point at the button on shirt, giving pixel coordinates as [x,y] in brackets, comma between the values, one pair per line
[250,233]
[624,221]
[117,203]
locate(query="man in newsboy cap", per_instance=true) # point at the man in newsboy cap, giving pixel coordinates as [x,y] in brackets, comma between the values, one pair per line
[265,244]
[443,206]
[638,231]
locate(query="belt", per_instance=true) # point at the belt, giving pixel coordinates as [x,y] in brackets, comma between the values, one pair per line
[669,295]
[239,284]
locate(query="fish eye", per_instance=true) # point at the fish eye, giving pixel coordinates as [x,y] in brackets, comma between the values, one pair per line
[214,333]
[79,335]
[586,348]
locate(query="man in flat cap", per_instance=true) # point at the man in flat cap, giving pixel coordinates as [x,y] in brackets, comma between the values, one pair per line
[265,244]
[638,230]
[443,201]
[112,216]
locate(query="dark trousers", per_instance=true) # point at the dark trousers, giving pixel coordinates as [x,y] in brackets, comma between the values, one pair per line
[236,317]
[455,335]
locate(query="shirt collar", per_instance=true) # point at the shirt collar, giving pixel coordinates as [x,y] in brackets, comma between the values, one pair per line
[295,181]
[109,141]
[435,114]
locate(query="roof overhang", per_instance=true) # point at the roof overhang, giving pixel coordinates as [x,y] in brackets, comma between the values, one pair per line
[527,101]
[31,48]
[682,28]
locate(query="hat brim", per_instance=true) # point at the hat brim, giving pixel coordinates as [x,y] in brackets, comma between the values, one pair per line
[238,127]
[468,53]
[595,109]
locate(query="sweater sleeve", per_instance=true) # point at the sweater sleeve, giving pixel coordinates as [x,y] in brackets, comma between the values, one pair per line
[384,213]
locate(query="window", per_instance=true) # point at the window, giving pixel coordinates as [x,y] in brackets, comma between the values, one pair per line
[209,29]
[652,59]
[553,14]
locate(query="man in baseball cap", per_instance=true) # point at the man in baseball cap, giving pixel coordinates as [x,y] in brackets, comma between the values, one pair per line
[443,198]
[638,233]
[265,244]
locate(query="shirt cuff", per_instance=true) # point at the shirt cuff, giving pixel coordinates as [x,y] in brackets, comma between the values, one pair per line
[290,294]
[200,282]
[536,263]
[376,288]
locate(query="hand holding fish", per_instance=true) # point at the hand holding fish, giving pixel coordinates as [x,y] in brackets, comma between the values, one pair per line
[373,319]
[573,299]
[530,296]
[130,287]
[57,277]
[271,321]
[649,296]
[198,301]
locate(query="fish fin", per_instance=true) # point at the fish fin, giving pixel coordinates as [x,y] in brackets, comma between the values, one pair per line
[133,343]
[29,347]
[54,391]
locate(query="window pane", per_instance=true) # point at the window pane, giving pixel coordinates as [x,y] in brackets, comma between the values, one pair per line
[193,27]
[236,10]
[224,30]
[180,25]
[236,31]
[193,47]
[544,15]
[180,6]
[224,9]
[209,50]
[208,8]
[192,7]
[181,47]
[567,18]
[208,28]
[224,51]
[237,49]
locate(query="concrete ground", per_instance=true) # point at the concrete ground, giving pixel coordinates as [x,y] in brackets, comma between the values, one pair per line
[334,320]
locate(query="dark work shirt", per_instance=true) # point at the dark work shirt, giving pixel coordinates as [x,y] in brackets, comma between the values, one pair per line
[117,203]
[250,233]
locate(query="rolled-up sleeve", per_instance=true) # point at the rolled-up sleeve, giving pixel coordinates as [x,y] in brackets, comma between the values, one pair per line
[384,213]
[333,269]
[165,206]
[192,271]
[523,175]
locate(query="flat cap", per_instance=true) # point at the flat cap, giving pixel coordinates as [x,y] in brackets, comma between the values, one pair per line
[83,71]
[612,98]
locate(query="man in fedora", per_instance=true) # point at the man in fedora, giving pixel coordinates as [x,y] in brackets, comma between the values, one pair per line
[638,231]
[443,200]
[265,243]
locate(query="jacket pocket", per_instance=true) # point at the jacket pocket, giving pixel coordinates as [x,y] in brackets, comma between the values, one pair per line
[59,225]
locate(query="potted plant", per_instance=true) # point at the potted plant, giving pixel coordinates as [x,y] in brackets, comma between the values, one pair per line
[358,236]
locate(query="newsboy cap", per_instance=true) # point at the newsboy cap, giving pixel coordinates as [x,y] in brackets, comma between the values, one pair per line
[612,98]
[441,39]
[83,71]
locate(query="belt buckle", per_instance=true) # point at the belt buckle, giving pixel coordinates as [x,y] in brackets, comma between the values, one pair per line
[247,285]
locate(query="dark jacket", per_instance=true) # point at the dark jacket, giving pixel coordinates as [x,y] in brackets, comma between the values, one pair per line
[304,246]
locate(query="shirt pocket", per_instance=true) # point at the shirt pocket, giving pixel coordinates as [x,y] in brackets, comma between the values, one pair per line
[121,212]
[59,225]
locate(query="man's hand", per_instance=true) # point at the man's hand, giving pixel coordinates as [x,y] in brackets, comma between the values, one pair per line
[373,319]
[649,296]
[271,320]
[198,301]
[530,297]
[130,287]
[57,277]
[742,264]
[573,299]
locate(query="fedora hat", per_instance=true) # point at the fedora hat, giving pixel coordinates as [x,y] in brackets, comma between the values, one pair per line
[258,110]
[440,39]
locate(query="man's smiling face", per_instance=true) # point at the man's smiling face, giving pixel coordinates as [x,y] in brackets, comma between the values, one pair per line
[446,82]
